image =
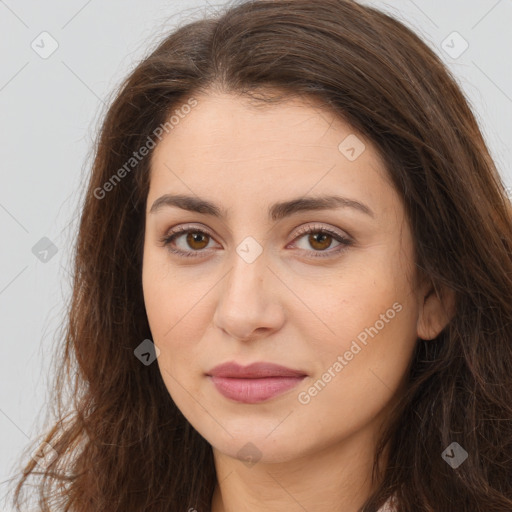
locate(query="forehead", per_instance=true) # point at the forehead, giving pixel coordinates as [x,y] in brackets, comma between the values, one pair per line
[235,122]
[228,144]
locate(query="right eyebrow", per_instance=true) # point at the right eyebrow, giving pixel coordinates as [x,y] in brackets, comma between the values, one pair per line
[276,211]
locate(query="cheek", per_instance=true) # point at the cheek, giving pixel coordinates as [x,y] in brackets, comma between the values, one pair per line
[176,314]
[376,354]
[369,320]
[344,309]
[160,305]
[356,380]
[175,329]
[165,297]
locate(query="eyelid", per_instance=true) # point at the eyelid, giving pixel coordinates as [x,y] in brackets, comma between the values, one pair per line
[341,237]
[176,231]
[307,228]
[344,240]
[188,227]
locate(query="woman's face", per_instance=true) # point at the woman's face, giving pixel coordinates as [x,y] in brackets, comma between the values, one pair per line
[292,249]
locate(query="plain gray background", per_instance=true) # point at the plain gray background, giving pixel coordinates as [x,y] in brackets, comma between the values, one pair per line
[51,106]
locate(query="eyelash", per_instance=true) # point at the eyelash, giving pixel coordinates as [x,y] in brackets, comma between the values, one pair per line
[169,238]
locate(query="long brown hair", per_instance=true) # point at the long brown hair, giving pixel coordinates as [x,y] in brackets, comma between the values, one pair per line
[124,445]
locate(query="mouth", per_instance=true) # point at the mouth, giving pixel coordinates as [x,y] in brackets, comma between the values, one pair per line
[255,383]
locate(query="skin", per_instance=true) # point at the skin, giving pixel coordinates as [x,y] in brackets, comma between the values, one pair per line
[288,306]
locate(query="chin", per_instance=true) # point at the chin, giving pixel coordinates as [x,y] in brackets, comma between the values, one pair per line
[252,443]
[251,451]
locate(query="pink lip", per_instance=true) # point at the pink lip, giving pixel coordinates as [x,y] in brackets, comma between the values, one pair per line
[254,383]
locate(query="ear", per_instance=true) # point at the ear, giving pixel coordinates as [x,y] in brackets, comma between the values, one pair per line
[436,309]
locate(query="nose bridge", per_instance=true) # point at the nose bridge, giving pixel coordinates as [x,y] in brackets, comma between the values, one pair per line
[247,275]
[245,303]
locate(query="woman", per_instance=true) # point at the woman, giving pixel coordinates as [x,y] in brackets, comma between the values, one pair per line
[293,280]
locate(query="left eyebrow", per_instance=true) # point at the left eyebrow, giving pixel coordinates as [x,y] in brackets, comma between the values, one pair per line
[276,211]
[280,210]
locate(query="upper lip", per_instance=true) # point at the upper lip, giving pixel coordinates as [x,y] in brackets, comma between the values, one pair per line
[253,371]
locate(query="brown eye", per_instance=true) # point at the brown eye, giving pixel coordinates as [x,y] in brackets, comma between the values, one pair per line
[320,241]
[316,240]
[187,241]
[196,240]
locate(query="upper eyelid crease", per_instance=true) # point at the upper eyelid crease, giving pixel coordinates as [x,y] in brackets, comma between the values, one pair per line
[276,212]
[303,230]
[342,239]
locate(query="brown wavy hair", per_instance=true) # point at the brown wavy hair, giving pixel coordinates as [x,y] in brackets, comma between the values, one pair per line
[122,444]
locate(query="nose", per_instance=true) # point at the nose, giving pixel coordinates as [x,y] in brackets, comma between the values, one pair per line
[249,303]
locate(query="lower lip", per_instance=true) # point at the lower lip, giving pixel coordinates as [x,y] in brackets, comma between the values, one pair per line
[251,391]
